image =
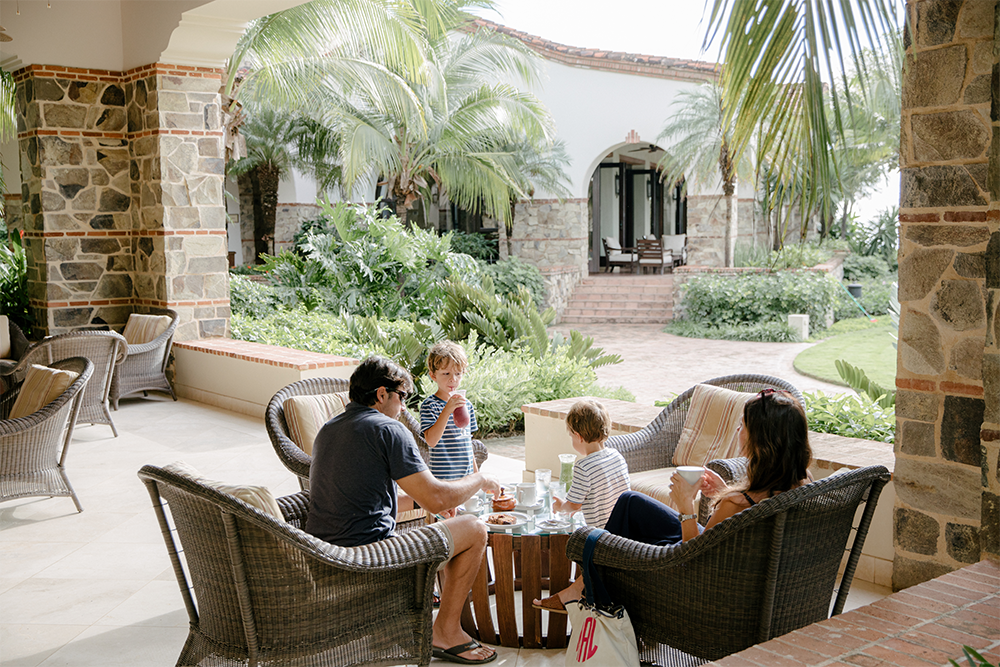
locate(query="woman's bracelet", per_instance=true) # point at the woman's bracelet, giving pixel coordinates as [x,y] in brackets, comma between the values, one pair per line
[685,517]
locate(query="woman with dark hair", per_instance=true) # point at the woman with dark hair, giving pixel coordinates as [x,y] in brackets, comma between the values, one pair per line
[773,436]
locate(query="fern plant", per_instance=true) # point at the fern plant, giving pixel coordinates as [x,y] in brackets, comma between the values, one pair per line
[860,382]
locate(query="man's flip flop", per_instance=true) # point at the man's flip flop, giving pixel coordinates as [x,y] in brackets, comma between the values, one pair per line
[552,604]
[452,654]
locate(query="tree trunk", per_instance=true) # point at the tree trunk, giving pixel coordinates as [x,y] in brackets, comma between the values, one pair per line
[265,180]
[503,242]
[729,191]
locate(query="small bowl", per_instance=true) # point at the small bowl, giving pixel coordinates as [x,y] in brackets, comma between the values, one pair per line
[691,474]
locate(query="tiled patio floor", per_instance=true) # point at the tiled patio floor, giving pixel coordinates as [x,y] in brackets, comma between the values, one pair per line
[96,588]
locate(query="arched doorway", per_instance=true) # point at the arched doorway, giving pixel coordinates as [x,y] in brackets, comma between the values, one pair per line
[630,201]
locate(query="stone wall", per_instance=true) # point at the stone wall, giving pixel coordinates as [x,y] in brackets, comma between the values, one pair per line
[554,237]
[706,228]
[949,279]
[122,196]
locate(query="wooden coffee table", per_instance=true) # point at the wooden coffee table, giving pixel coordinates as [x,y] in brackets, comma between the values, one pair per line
[479,621]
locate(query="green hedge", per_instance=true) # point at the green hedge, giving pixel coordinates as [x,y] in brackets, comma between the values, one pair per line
[754,298]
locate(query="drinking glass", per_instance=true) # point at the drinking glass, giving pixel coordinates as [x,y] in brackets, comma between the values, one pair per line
[566,469]
[461,414]
[543,476]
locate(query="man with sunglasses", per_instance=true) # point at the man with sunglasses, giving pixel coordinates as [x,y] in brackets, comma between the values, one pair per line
[359,458]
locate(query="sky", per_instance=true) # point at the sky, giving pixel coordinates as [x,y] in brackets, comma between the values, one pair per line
[672,28]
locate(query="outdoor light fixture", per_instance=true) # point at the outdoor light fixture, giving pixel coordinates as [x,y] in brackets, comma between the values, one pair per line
[649,188]
[618,184]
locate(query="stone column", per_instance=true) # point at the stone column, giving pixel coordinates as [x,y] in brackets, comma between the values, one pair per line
[554,236]
[122,196]
[948,206]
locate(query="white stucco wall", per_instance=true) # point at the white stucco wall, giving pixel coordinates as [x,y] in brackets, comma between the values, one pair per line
[595,110]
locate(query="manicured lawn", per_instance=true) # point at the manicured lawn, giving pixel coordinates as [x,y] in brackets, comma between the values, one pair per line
[869,349]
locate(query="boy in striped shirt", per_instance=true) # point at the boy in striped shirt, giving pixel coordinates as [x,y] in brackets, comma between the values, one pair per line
[602,474]
[450,446]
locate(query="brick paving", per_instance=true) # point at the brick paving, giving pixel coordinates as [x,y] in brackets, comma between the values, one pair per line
[923,625]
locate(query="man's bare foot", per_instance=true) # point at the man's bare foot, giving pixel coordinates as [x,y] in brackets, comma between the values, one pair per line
[474,653]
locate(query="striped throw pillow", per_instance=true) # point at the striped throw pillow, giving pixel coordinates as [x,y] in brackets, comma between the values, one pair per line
[4,337]
[709,430]
[305,416]
[143,328]
[255,496]
[42,385]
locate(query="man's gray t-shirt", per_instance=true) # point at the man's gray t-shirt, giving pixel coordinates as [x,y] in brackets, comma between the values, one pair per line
[357,456]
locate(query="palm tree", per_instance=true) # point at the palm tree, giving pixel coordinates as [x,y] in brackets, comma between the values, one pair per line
[537,167]
[276,141]
[457,129]
[774,51]
[700,136]
[8,125]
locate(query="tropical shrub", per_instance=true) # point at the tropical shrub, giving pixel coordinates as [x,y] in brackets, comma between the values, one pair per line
[479,246]
[14,283]
[875,298]
[251,299]
[859,267]
[759,332]
[794,256]
[878,237]
[849,415]
[361,263]
[512,273]
[753,298]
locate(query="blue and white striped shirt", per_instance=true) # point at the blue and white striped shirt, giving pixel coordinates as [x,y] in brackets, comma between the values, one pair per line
[451,458]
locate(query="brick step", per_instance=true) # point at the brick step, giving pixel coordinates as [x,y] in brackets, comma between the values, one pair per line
[655,313]
[593,304]
[667,281]
[638,292]
[602,319]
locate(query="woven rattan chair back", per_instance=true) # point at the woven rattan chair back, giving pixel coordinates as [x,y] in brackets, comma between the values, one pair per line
[33,448]
[653,447]
[260,590]
[104,348]
[296,460]
[145,366]
[768,570]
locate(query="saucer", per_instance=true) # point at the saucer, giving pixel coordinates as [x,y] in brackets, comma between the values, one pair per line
[530,508]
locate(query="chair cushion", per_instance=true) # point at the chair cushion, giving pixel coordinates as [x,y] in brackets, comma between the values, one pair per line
[612,243]
[143,328]
[4,337]
[305,416]
[42,385]
[709,430]
[654,483]
[255,496]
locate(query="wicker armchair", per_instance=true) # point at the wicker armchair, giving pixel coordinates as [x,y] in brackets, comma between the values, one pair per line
[145,367]
[296,460]
[33,448]
[104,348]
[768,570]
[258,590]
[653,447]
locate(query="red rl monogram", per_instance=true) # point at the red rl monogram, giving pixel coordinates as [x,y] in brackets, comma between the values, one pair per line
[585,646]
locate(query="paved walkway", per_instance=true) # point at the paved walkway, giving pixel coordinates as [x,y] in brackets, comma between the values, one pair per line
[657,364]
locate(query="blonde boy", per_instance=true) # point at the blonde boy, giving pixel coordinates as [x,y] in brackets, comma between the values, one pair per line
[451,446]
[601,475]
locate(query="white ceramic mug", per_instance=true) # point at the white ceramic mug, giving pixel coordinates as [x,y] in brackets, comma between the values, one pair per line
[691,474]
[472,504]
[526,493]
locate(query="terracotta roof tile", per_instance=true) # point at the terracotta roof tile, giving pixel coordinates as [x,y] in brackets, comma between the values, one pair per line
[647,65]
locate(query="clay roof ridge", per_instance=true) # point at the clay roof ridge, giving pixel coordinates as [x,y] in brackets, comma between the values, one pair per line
[589,52]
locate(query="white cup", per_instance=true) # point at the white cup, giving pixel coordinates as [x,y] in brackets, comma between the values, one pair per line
[691,474]
[526,493]
[472,504]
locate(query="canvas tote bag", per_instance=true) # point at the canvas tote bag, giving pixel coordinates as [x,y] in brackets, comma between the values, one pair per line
[602,632]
